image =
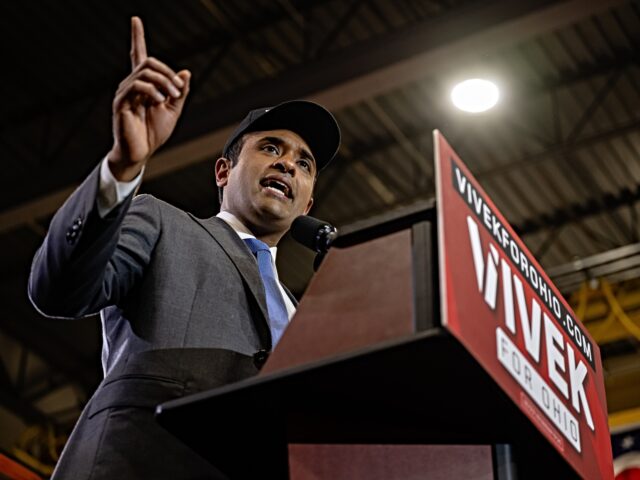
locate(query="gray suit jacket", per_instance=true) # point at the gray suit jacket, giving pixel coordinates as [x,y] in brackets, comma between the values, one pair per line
[183,309]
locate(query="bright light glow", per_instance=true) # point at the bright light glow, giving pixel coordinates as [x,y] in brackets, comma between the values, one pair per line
[475,95]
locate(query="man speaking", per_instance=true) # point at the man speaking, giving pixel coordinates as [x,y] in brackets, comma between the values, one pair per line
[186,304]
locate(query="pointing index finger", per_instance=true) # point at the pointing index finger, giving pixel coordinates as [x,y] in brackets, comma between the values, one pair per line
[138,45]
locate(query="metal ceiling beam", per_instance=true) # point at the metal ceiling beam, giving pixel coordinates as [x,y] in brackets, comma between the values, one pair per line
[12,401]
[214,38]
[576,212]
[353,75]
[562,148]
[594,261]
[393,60]
[556,219]
[21,324]
[327,182]
[616,60]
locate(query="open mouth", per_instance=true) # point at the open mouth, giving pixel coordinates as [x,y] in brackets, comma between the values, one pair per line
[277,187]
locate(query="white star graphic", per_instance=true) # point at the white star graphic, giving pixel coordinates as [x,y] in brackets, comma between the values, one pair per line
[627,442]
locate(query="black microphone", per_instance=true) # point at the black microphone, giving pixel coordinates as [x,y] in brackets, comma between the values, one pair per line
[314,234]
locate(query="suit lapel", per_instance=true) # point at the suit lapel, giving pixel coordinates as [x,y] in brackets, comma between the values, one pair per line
[246,264]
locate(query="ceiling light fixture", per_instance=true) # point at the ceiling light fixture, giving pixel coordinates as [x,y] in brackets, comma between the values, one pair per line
[475,95]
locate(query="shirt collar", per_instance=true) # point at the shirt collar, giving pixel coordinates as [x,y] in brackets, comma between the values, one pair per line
[240,228]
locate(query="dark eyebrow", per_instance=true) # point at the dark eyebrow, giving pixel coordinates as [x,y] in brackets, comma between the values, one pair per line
[304,153]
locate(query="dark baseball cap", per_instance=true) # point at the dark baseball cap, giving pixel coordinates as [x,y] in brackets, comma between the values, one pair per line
[311,121]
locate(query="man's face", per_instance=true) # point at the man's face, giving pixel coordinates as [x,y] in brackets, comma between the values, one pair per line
[272,182]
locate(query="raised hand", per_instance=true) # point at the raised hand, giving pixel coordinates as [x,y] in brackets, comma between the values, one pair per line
[146,108]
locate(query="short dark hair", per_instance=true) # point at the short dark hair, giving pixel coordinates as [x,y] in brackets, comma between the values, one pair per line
[233,155]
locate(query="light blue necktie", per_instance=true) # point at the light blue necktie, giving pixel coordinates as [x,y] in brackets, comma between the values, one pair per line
[278,317]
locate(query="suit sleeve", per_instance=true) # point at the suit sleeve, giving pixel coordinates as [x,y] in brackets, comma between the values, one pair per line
[87,262]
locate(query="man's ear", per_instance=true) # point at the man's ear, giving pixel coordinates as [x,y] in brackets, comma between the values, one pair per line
[309,205]
[222,169]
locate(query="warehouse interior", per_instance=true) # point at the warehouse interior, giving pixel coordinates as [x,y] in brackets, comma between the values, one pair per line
[559,154]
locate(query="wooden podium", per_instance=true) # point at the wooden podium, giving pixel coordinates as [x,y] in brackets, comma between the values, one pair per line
[366,383]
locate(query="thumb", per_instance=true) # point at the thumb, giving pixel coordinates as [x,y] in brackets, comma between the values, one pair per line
[178,103]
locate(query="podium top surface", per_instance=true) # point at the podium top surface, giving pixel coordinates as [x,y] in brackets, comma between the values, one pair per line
[414,390]
[386,223]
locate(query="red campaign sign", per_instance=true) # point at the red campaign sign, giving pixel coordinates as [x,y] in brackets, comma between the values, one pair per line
[501,305]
